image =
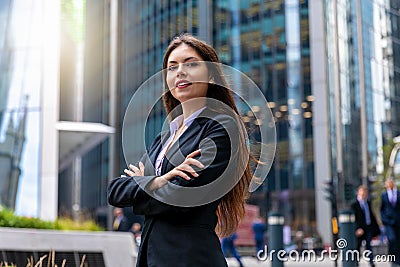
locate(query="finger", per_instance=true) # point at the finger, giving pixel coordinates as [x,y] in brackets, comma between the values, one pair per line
[141,166]
[194,162]
[128,172]
[134,168]
[187,168]
[180,173]
[194,153]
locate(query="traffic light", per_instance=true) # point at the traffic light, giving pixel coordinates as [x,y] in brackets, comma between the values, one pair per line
[348,191]
[330,189]
[372,187]
[335,226]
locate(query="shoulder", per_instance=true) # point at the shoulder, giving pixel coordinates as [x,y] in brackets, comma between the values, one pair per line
[355,204]
[384,197]
[212,118]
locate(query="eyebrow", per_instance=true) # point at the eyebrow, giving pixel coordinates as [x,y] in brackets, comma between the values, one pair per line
[186,59]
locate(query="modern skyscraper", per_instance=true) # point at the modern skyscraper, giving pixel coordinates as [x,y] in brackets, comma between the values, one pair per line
[8,131]
[259,39]
[354,62]
[27,106]
[11,151]
[85,105]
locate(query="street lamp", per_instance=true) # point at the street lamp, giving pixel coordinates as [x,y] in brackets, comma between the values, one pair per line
[393,155]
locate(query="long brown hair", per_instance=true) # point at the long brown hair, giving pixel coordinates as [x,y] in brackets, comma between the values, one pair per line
[231,209]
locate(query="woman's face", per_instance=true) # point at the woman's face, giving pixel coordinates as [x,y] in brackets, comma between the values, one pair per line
[187,74]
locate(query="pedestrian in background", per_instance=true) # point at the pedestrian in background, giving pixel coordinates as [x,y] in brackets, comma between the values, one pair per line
[121,223]
[136,230]
[180,235]
[366,224]
[390,215]
[259,230]
[229,248]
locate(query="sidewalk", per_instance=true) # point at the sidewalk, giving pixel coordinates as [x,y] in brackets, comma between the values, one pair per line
[253,262]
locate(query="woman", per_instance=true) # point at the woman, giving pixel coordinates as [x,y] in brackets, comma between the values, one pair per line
[199,130]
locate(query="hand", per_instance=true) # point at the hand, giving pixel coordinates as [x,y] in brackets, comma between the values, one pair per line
[135,171]
[184,167]
[359,232]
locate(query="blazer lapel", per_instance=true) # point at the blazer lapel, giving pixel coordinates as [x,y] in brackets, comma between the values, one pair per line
[193,129]
[187,135]
[153,154]
[387,197]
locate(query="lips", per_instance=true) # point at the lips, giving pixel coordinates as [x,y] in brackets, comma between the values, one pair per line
[182,84]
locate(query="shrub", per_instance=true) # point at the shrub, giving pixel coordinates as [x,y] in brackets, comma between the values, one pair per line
[69,224]
[9,219]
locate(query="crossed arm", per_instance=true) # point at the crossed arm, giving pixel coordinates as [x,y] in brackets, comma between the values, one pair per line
[125,191]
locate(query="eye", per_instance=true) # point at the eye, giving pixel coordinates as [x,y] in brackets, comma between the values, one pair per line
[192,64]
[172,68]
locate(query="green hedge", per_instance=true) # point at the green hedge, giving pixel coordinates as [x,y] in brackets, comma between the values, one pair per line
[9,219]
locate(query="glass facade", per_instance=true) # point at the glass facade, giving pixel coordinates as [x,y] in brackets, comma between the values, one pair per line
[20,111]
[392,61]
[379,70]
[147,28]
[84,74]
[257,38]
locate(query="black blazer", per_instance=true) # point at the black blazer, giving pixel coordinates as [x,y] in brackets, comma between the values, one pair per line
[172,235]
[124,225]
[391,216]
[360,219]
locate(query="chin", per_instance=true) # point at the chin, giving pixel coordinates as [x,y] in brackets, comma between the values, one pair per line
[182,98]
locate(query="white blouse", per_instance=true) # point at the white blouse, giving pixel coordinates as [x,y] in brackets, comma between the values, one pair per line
[173,127]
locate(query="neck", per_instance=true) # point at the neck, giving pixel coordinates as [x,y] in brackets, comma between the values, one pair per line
[189,107]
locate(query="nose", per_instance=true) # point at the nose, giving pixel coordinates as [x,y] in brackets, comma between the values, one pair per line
[180,71]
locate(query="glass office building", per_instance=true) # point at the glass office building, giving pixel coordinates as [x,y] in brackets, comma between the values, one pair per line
[146,30]
[354,61]
[20,112]
[368,84]
[84,97]
[257,38]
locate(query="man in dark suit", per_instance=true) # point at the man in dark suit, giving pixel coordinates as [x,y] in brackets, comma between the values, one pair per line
[121,223]
[228,246]
[259,230]
[366,224]
[390,215]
